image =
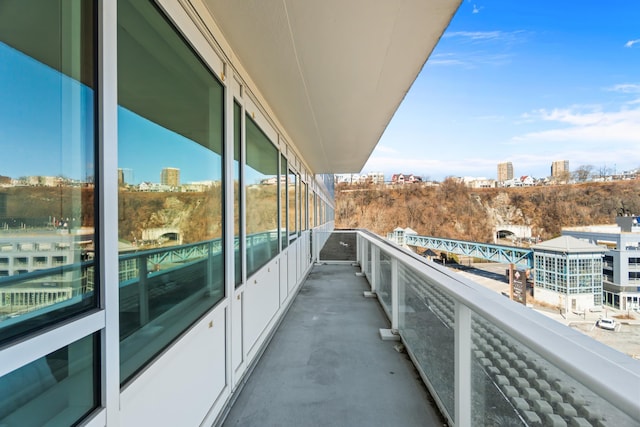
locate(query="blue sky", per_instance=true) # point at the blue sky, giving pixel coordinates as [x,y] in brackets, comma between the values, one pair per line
[526,82]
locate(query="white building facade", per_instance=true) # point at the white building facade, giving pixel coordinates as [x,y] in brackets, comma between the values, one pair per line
[224,91]
[621,263]
[568,274]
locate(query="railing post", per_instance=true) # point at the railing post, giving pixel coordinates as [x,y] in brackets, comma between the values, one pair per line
[395,304]
[375,265]
[462,365]
[210,267]
[143,291]
[364,262]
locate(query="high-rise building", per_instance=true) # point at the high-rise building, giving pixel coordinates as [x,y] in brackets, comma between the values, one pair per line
[505,171]
[170,177]
[559,168]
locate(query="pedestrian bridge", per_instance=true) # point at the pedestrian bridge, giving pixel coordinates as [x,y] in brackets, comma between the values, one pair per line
[490,252]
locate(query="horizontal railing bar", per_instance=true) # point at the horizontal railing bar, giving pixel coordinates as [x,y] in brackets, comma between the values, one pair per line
[609,373]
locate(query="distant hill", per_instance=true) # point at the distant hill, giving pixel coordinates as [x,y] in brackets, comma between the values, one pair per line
[453,210]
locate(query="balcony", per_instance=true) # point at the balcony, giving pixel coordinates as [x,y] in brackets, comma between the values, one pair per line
[484,360]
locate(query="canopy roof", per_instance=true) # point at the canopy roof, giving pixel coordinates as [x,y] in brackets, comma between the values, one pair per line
[568,244]
[333,71]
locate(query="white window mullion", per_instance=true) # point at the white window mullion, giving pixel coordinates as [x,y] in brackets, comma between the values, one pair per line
[108,207]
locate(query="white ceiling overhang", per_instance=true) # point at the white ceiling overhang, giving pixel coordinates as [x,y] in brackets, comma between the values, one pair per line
[333,71]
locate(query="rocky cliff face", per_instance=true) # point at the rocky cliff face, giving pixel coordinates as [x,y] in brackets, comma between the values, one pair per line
[452,210]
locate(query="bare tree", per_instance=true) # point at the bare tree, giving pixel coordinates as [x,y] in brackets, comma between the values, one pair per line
[583,173]
[603,171]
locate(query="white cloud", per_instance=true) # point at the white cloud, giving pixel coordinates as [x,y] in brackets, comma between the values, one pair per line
[470,60]
[491,118]
[385,149]
[434,168]
[476,9]
[475,35]
[630,43]
[587,125]
[508,37]
[626,88]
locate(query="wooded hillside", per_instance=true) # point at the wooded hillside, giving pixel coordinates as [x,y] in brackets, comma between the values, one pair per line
[455,211]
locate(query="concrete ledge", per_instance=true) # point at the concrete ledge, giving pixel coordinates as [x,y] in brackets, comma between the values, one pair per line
[388,335]
[360,274]
[369,294]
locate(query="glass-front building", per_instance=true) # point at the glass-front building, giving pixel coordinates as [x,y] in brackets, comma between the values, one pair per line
[621,263]
[568,274]
[163,171]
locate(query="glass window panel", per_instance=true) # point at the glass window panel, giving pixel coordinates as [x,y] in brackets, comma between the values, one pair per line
[304,200]
[47,194]
[384,281]
[427,324]
[312,209]
[292,185]
[283,202]
[237,186]
[512,386]
[261,177]
[58,389]
[298,204]
[170,191]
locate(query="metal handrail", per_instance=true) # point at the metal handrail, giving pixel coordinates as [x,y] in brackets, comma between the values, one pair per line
[611,374]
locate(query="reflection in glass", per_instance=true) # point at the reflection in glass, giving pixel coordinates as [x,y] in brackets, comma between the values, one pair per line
[284,235]
[261,191]
[292,187]
[298,204]
[427,326]
[304,199]
[384,280]
[170,189]
[57,389]
[47,109]
[237,186]
[513,385]
[312,209]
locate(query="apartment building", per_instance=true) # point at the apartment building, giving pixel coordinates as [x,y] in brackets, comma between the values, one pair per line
[505,171]
[621,262]
[238,93]
[559,168]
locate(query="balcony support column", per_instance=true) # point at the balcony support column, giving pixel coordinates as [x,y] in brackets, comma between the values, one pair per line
[375,263]
[462,365]
[364,260]
[395,304]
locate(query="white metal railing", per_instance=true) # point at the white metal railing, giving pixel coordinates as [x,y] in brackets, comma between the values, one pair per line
[490,361]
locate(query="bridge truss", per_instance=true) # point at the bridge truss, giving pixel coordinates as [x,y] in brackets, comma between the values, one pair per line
[490,252]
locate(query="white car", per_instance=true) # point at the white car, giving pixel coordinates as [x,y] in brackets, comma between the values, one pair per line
[606,323]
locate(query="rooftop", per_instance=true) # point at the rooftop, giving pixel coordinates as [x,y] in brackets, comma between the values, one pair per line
[567,244]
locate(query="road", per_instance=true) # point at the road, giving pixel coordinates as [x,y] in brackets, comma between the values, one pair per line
[626,337]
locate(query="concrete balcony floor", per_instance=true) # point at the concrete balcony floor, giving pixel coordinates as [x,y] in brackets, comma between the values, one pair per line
[327,366]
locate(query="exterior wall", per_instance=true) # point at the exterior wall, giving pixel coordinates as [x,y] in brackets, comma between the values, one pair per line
[576,303]
[575,279]
[624,249]
[559,167]
[194,367]
[505,171]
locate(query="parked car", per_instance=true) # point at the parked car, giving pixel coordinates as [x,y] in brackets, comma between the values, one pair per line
[606,323]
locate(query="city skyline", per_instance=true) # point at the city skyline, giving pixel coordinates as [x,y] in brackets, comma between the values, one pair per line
[504,84]
[528,83]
